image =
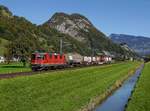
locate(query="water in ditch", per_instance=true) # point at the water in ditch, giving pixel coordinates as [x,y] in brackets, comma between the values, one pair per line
[118,100]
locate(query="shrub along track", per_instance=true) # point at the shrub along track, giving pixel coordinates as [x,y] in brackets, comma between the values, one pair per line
[66,90]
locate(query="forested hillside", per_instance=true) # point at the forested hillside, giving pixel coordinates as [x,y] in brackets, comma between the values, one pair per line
[20,37]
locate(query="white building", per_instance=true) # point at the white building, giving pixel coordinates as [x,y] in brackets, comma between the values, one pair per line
[2,59]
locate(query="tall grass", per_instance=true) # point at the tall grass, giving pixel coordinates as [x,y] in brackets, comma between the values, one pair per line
[140,100]
[68,90]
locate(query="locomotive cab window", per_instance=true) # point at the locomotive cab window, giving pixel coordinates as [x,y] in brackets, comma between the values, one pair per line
[40,57]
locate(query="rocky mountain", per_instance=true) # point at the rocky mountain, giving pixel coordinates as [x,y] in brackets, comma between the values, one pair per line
[25,37]
[74,25]
[18,36]
[139,44]
[81,29]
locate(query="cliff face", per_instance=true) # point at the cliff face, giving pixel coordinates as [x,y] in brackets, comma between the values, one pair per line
[74,25]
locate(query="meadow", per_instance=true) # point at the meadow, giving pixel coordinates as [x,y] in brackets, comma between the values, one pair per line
[68,90]
[13,67]
[140,100]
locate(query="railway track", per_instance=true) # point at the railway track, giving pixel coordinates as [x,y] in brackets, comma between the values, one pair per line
[12,75]
[17,74]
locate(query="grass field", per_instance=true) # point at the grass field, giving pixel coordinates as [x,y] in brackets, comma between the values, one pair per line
[13,67]
[140,100]
[60,91]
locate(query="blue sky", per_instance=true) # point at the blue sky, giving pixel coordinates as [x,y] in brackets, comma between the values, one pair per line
[110,16]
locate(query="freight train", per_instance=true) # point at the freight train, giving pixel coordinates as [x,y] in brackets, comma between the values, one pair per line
[45,61]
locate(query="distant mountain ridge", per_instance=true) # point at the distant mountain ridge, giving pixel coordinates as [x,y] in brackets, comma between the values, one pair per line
[139,44]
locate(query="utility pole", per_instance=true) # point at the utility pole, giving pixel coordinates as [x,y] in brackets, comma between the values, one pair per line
[92,49]
[61,46]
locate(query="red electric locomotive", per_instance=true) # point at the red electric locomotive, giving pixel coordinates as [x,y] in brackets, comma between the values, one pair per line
[45,61]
